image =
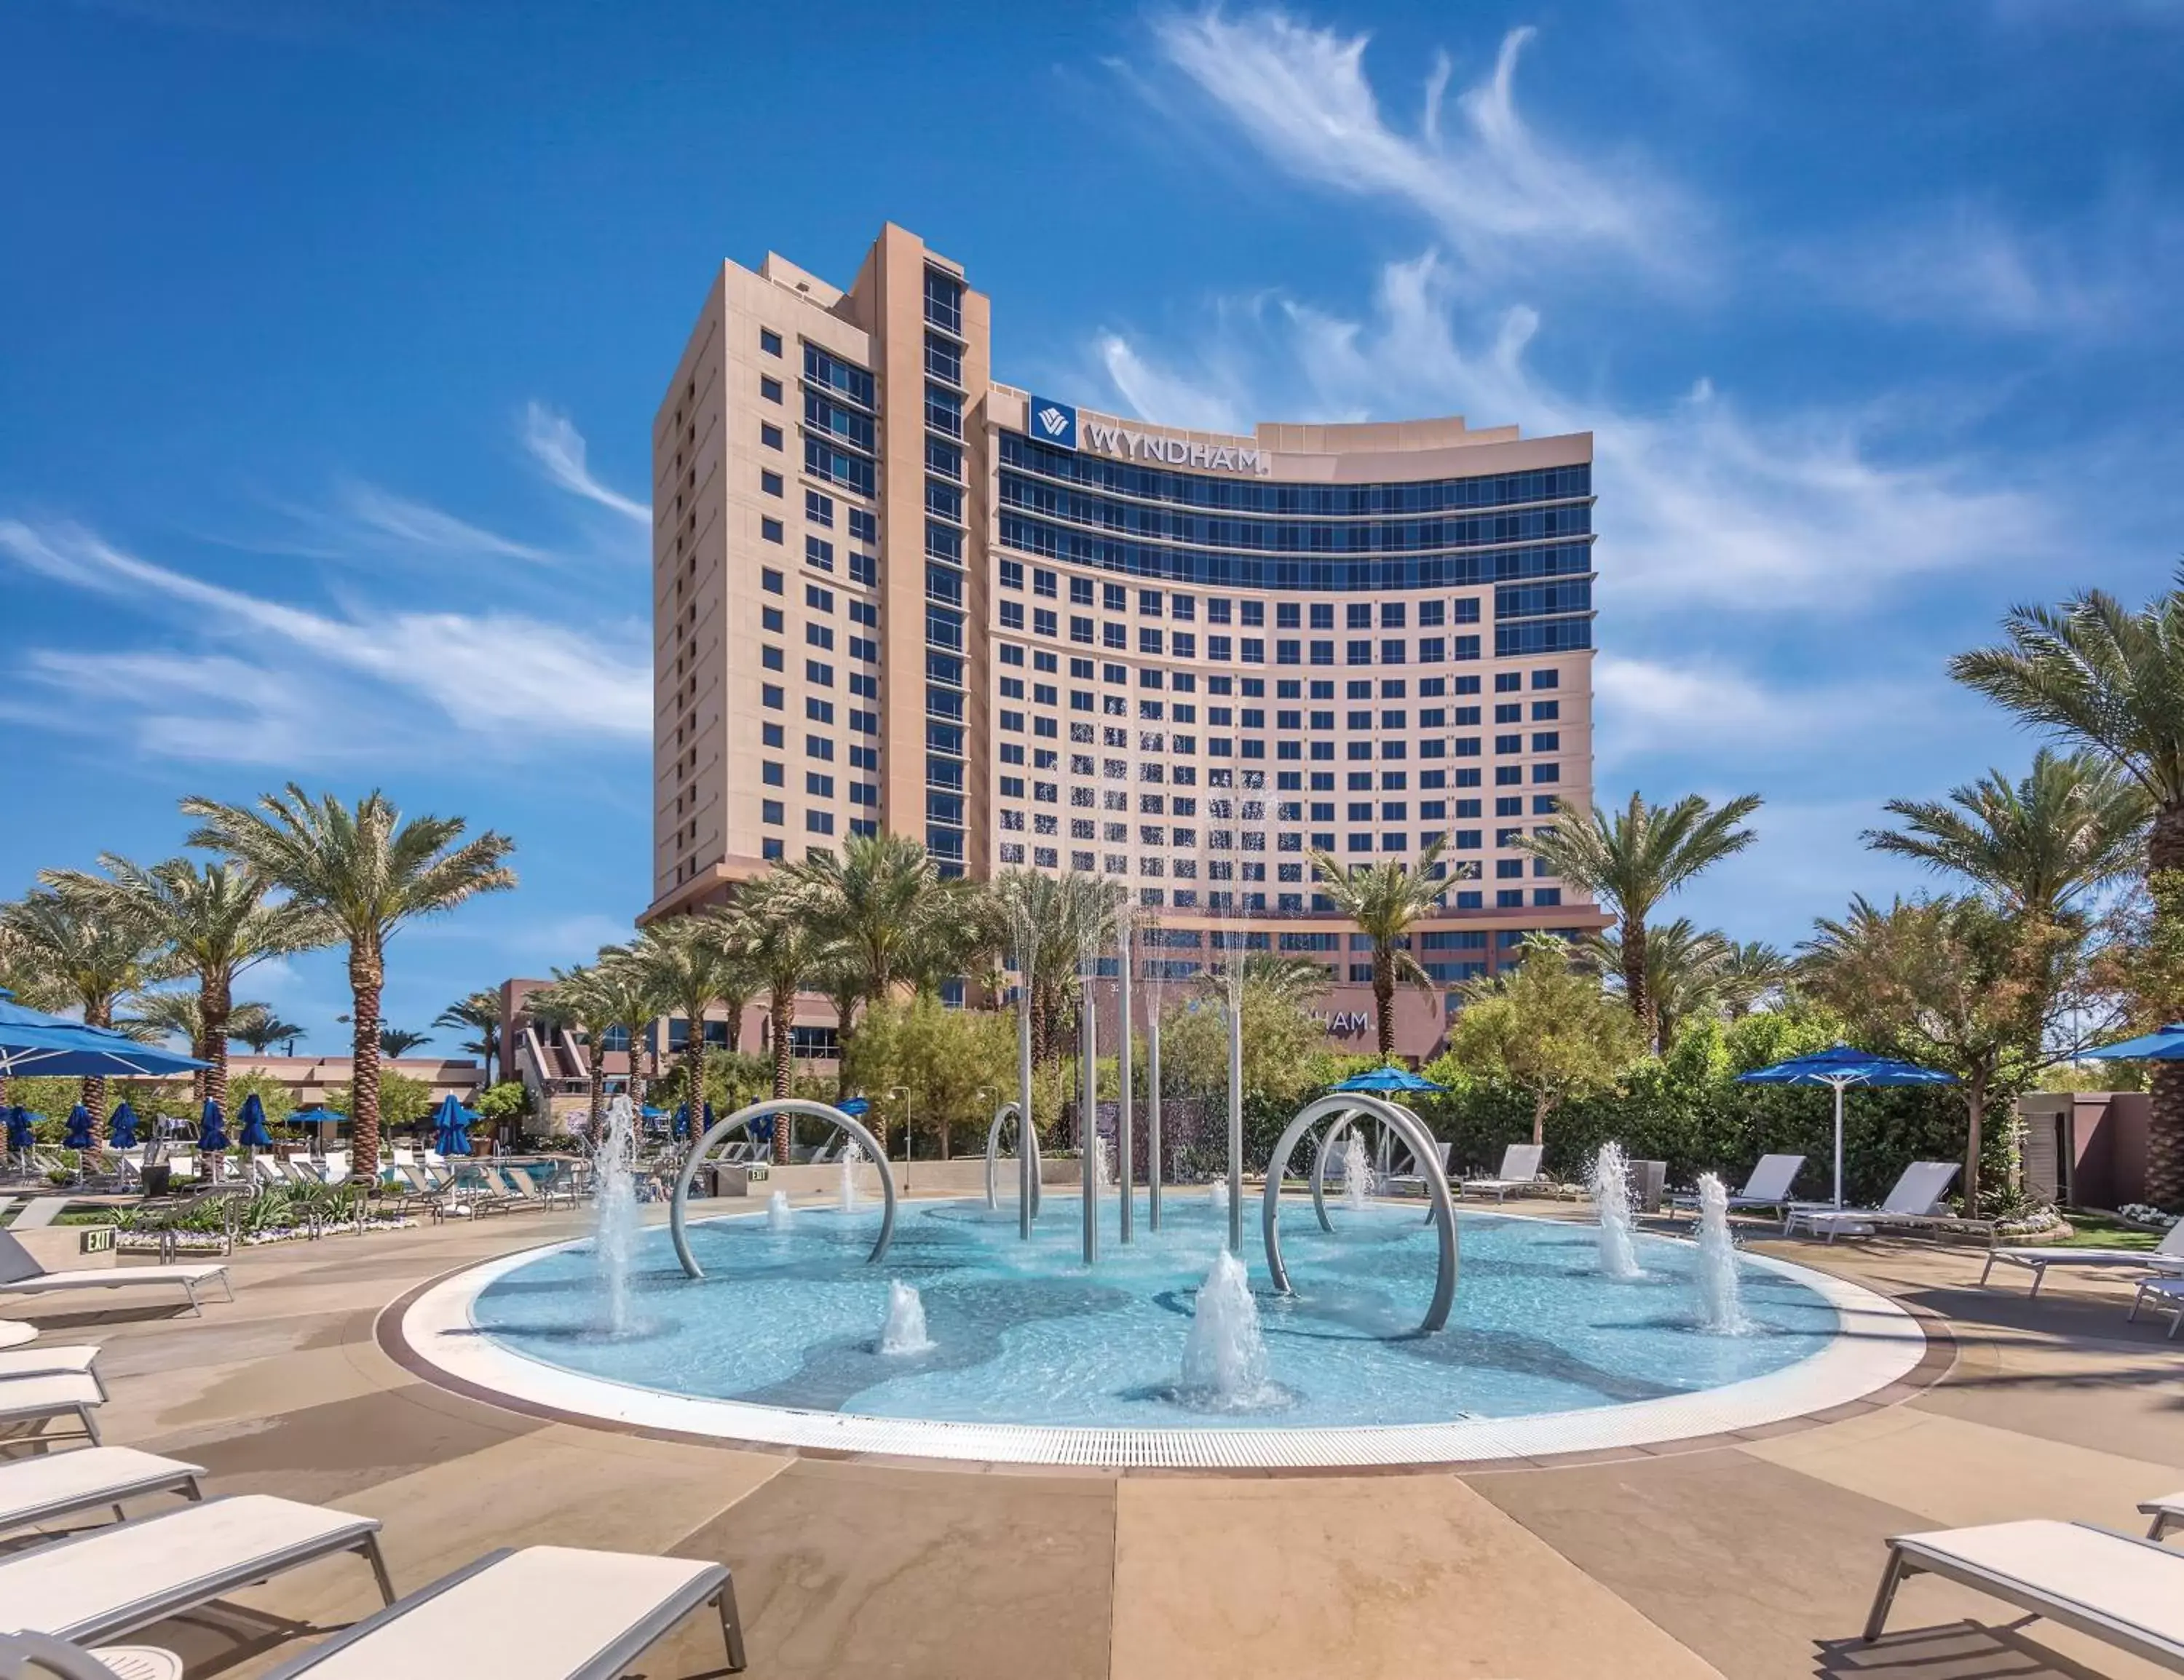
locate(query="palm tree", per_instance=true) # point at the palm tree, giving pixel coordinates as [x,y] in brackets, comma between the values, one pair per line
[81,957]
[480,1013]
[575,1001]
[1633,860]
[1052,921]
[213,921]
[180,1015]
[771,933]
[2074,824]
[875,898]
[687,964]
[1383,899]
[625,994]
[396,1041]
[1294,981]
[1684,970]
[364,872]
[1750,973]
[260,1031]
[2110,681]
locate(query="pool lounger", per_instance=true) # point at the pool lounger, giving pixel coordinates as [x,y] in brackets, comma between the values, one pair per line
[1520,1171]
[2167,1512]
[1911,1202]
[111,1580]
[21,1275]
[2168,1295]
[35,1490]
[2168,1256]
[2114,1587]
[1768,1186]
[71,1361]
[606,1609]
[29,1403]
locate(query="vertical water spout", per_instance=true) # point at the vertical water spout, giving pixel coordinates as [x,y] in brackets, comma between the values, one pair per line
[1357,1184]
[1087,1100]
[1224,1356]
[1611,1195]
[614,1209]
[846,1180]
[904,1330]
[1721,1303]
[779,1216]
[1125,1116]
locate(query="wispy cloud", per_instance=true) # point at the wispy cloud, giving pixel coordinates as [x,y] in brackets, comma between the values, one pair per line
[501,675]
[1709,503]
[558,448]
[365,521]
[1499,192]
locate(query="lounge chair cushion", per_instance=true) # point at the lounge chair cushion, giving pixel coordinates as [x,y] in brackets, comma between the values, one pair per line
[29,1397]
[60,1361]
[15,1261]
[2113,1586]
[543,1613]
[112,1579]
[53,1484]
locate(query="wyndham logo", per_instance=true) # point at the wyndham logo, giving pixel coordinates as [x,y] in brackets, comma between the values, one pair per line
[1054,423]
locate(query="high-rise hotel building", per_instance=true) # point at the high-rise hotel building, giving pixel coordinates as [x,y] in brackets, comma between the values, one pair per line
[891,593]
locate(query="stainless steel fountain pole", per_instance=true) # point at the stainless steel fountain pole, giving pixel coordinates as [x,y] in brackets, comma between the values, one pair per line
[1088,1108]
[1125,1107]
[1027,1156]
[1152,1112]
[1235,1116]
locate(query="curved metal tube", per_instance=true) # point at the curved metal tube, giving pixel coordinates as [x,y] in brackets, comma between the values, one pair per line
[1002,1115]
[1409,1127]
[739,1120]
[1327,1143]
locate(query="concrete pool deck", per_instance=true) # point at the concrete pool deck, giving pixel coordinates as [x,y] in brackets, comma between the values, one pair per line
[1753,1557]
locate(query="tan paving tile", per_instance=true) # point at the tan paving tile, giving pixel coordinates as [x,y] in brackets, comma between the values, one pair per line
[1951,1473]
[1386,1576]
[855,1572]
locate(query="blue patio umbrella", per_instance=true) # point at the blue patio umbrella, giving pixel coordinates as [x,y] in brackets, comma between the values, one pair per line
[451,1125]
[78,1129]
[212,1129]
[252,1115]
[33,1041]
[856,1108]
[651,1113]
[2164,1045]
[1388,1079]
[1840,1067]
[20,1137]
[121,1128]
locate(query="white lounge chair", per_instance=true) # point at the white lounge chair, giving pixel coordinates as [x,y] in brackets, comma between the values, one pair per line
[2167,1256]
[40,1214]
[1768,1186]
[14,1332]
[80,1361]
[35,1490]
[1520,1170]
[29,1403]
[608,1608]
[1911,1202]
[111,1580]
[2114,1587]
[2167,1294]
[21,1275]
[2167,1512]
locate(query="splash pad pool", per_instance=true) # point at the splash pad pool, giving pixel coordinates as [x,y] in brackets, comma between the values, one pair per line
[1033,1356]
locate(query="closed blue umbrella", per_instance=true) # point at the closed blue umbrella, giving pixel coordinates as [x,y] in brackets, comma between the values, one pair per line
[20,1137]
[451,1125]
[1839,1067]
[253,1116]
[212,1128]
[78,1129]
[121,1128]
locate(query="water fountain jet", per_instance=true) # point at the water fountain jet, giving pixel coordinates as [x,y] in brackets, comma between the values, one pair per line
[1721,1304]
[852,1153]
[1358,1182]
[904,1332]
[1224,1357]
[613,1210]
[1610,1180]
[779,1216]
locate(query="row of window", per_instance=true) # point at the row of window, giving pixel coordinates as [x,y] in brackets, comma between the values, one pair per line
[1115,597]
[1265,495]
[1285,687]
[1015,853]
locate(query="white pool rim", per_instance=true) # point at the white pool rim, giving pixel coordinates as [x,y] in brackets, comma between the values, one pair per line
[1876,1343]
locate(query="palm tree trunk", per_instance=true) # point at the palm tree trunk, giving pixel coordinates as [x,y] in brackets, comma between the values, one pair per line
[735,1024]
[1634,980]
[367,973]
[784,1018]
[94,1089]
[2164,1131]
[215,1003]
[1384,1001]
[599,1091]
[694,1097]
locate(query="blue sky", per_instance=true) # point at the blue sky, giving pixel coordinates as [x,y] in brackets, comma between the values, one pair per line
[333,333]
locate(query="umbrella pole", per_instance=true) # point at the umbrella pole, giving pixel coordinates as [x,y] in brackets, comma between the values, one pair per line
[1839,1094]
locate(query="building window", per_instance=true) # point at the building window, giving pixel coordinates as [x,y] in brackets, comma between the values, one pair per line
[769,341]
[771,530]
[770,435]
[818,822]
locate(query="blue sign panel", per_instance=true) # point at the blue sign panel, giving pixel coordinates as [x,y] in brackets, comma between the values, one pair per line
[1053,422]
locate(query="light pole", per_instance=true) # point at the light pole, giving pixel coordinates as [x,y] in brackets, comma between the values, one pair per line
[903,1092]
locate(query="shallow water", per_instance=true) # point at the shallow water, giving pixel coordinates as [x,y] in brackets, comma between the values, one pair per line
[1026,1333]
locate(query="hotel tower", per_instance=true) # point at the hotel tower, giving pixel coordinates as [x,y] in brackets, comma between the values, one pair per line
[891,593]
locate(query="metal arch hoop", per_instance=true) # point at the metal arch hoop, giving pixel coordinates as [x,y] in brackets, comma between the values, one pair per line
[1327,1143]
[1026,1137]
[741,1119]
[1413,1132]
